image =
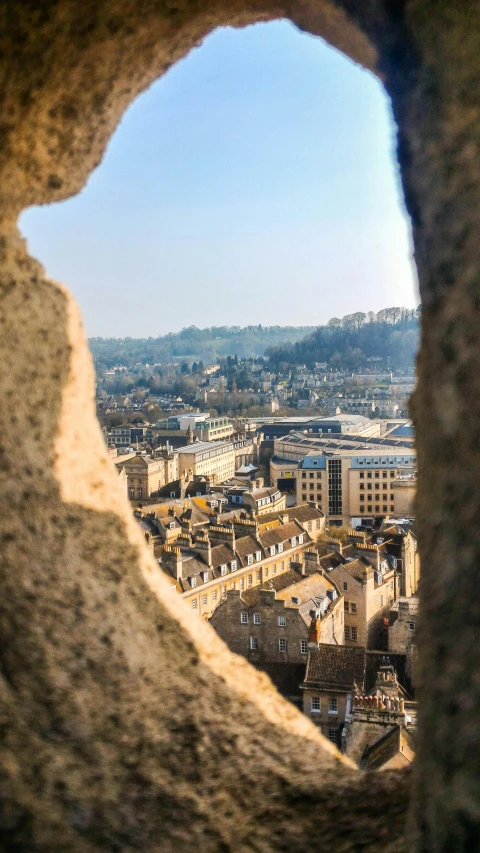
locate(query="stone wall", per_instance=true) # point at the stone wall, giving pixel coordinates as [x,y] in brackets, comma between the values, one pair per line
[126,725]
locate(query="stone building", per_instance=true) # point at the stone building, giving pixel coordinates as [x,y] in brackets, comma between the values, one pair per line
[235,555]
[214,459]
[402,632]
[380,725]
[147,475]
[368,593]
[264,500]
[273,623]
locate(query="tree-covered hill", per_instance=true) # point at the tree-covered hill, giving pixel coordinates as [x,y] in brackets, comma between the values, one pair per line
[207,345]
[392,334]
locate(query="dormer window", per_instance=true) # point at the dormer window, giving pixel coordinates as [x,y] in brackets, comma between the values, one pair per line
[233,565]
[223,570]
[272,550]
[193,582]
[249,559]
[293,541]
[300,539]
[205,576]
[280,547]
[258,556]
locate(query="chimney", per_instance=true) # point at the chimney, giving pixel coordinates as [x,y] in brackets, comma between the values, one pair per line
[333,545]
[314,633]
[311,563]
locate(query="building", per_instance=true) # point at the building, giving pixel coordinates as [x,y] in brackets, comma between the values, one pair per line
[402,632]
[236,555]
[214,459]
[352,487]
[369,586]
[273,623]
[146,475]
[379,727]
[264,500]
[335,676]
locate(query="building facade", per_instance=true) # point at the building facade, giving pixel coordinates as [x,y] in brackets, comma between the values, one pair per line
[214,459]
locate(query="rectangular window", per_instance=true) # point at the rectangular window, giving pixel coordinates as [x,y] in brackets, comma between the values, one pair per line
[256,618]
[280,547]
[214,595]
[233,565]
[244,617]
[282,644]
[347,632]
[354,635]
[265,571]
[384,508]
[353,607]
[282,621]
[193,582]
[362,487]
[316,705]
[362,475]
[362,508]
[333,705]
[332,735]
[272,550]
[204,600]
[381,601]
[411,626]
[254,644]
[223,570]
[194,604]
[345,586]
[274,570]
[335,486]
[249,559]
[304,647]
[258,576]
[258,556]
[250,580]
[345,606]
[224,590]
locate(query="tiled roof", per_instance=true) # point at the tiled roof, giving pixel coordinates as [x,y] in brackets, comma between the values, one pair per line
[287,678]
[247,545]
[281,534]
[277,583]
[335,667]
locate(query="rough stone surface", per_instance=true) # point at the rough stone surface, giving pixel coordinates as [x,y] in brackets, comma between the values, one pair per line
[126,724]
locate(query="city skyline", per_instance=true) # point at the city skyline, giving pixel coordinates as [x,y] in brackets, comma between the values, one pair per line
[255,183]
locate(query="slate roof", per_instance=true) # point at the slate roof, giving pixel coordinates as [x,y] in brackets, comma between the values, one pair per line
[335,667]
[277,583]
[281,534]
[386,747]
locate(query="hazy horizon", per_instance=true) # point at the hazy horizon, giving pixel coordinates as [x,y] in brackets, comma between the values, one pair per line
[255,183]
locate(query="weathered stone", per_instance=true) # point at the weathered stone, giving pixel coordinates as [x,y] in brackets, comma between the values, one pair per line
[126,724]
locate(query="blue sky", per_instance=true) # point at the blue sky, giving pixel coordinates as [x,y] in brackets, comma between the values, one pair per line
[255,183]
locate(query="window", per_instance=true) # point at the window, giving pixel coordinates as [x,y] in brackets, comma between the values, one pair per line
[280,547]
[194,604]
[242,584]
[232,585]
[369,508]
[274,570]
[309,525]
[300,539]
[204,600]
[304,647]
[354,635]
[377,475]
[333,705]
[258,556]
[345,606]
[316,705]
[362,487]
[392,508]
[265,571]
[224,590]
[369,475]
[193,582]
[369,486]
[411,626]
[353,607]
[392,474]
[384,508]
[362,475]
[282,566]
[392,497]
[233,565]
[214,595]
[258,576]
[272,550]
[250,580]
[377,497]
[362,509]
[256,618]
[282,644]
[345,586]
[381,601]
[377,508]
[332,735]
[249,559]
[347,632]
[254,644]
[282,621]
[304,476]
[244,617]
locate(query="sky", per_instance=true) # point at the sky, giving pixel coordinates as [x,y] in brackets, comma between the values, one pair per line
[256,182]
